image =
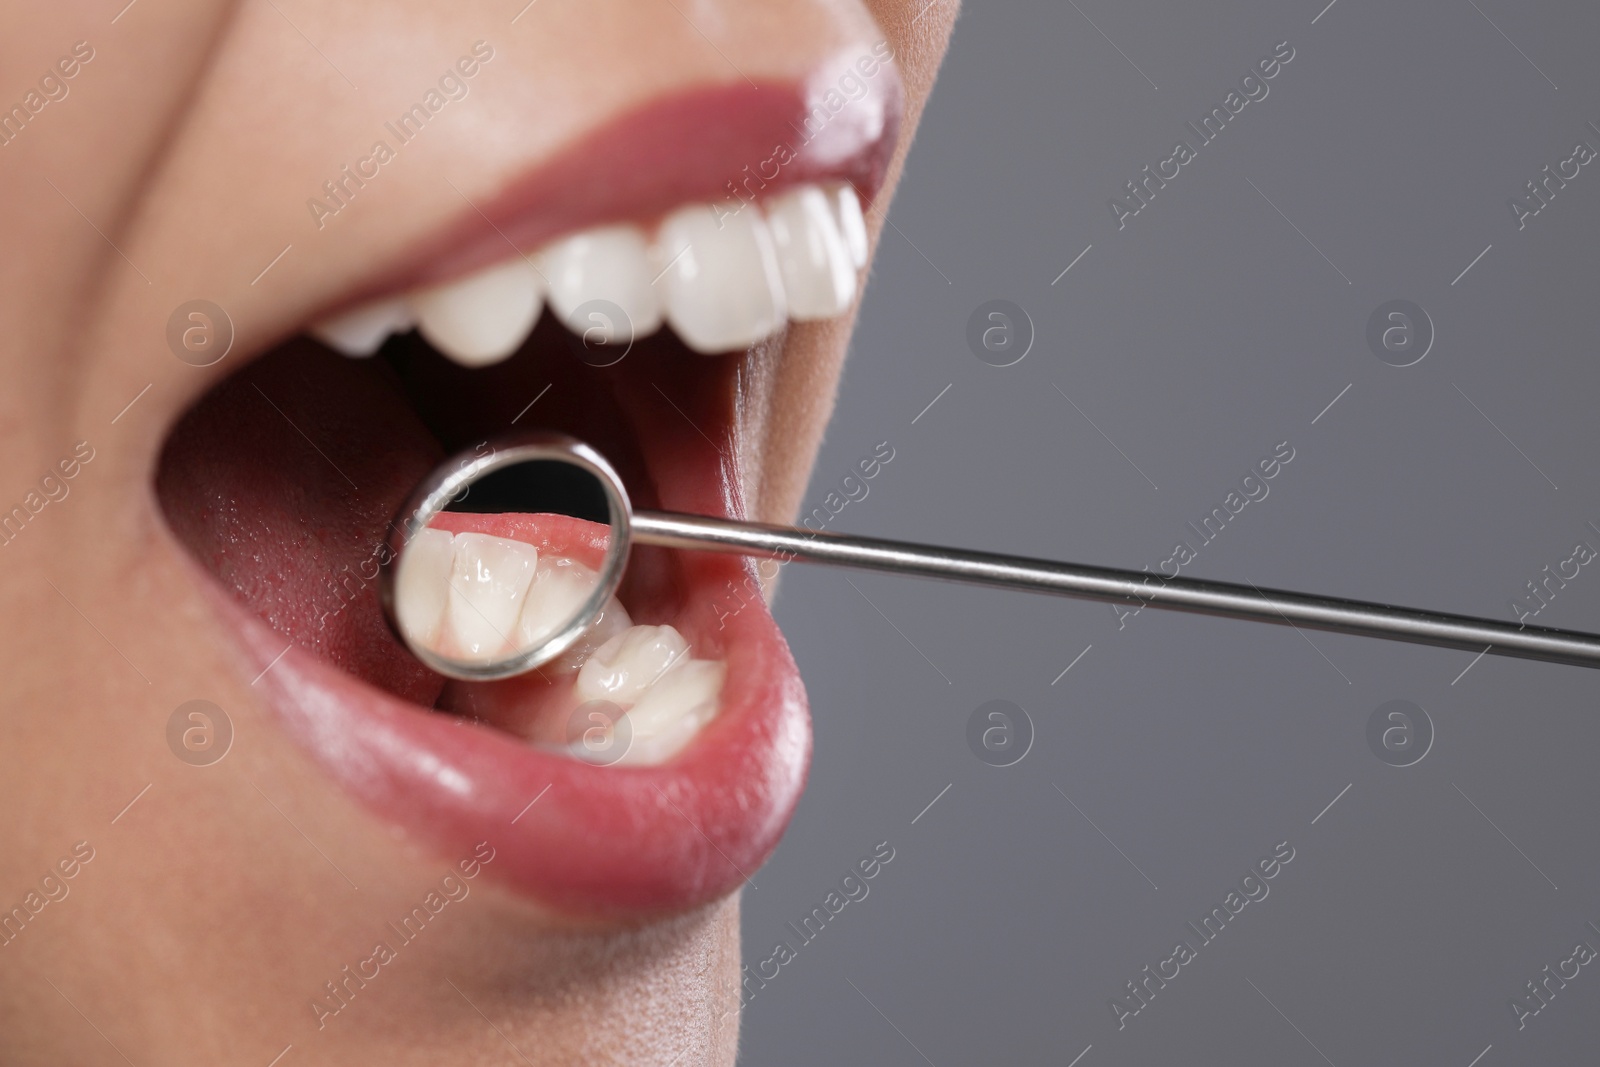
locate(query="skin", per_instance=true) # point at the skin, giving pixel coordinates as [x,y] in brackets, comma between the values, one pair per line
[205,922]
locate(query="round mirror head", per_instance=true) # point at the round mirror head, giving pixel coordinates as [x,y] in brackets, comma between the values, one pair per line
[505,555]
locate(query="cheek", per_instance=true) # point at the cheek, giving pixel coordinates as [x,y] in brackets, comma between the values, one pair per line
[793,391]
[919,41]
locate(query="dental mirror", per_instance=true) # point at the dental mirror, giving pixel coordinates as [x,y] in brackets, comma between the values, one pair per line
[508,554]
[505,556]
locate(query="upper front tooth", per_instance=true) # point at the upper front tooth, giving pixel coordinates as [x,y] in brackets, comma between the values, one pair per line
[625,666]
[560,589]
[846,208]
[723,287]
[421,585]
[611,264]
[819,277]
[489,581]
[482,318]
[362,330]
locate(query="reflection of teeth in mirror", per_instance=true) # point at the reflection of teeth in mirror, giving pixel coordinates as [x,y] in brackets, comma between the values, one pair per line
[421,585]
[724,278]
[489,582]
[625,666]
[474,597]
[559,590]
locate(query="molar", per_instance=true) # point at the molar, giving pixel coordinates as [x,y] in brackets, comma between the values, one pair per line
[672,711]
[625,666]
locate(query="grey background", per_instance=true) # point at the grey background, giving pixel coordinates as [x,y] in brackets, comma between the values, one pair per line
[1196,339]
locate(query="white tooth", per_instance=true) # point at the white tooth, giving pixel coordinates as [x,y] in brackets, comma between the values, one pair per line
[723,288]
[613,620]
[623,668]
[422,584]
[483,318]
[560,588]
[819,277]
[612,264]
[362,330]
[489,580]
[846,207]
[672,711]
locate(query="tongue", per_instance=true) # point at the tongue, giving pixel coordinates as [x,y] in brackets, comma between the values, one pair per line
[282,482]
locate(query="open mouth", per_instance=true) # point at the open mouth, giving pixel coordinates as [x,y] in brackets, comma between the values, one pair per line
[618,295]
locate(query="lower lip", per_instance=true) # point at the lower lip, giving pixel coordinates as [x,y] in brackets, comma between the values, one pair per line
[584,841]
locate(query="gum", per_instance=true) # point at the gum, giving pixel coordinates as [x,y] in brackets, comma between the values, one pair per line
[556,535]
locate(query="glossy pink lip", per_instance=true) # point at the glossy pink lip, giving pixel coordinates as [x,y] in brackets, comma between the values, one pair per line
[700,145]
[608,842]
[604,842]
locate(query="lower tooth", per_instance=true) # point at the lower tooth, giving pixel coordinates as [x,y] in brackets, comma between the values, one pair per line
[489,582]
[625,666]
[612,620]
[672,711]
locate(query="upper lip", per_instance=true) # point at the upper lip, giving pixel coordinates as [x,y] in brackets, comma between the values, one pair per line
[605,842]
[692,146]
